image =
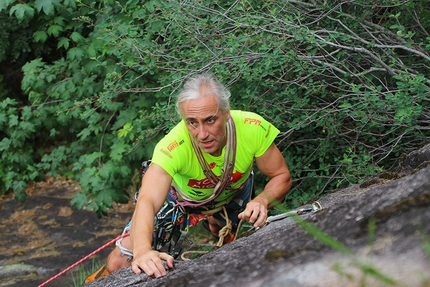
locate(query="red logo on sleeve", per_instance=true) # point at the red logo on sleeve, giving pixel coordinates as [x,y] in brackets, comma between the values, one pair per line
[252,121]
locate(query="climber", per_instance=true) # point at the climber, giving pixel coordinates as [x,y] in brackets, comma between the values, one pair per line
[205,164]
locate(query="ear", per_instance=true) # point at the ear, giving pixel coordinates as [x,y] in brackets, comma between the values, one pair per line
[228,116]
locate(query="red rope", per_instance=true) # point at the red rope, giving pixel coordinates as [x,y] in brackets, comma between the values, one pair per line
[83,259]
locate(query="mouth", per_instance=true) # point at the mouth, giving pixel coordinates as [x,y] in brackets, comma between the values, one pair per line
[207,144]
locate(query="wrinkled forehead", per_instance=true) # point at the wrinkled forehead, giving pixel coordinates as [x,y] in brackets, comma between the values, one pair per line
[201,107]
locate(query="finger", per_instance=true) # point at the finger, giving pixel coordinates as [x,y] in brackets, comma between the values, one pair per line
[151,265]
[261,219]
[246,214]
[254,215]
[159,268]
[153,269]
[169,259]
[136,269]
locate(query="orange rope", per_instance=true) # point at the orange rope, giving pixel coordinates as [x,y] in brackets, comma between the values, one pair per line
[83,259]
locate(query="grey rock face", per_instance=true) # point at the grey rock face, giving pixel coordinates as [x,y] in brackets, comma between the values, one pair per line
[379,231]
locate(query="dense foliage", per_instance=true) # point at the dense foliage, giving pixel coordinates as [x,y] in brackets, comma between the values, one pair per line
[347,83]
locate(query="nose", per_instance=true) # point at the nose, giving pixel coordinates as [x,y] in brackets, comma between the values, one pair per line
[202,132]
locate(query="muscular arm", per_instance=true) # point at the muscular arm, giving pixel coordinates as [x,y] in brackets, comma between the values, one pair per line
[272,164]
[155,186]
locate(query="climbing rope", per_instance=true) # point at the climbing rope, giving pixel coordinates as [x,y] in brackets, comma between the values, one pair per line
[222,233]
[193,252]
[83,259]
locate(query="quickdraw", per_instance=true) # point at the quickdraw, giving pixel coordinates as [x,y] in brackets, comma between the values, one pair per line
[315,207]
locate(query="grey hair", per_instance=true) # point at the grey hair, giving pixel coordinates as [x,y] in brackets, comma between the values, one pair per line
[192,88]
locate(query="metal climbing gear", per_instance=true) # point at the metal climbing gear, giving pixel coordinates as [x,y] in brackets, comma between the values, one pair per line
[315,206]
[169,234]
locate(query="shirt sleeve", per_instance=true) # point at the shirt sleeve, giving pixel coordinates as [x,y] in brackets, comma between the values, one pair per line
[258,132]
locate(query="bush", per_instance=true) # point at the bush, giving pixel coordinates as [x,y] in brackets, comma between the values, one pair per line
[346,83]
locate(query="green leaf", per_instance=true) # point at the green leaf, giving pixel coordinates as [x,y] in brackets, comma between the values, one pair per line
[4,144]
[79,200]
[321,236]
[88,159]
[117,150]
[128,128]
[374,272]
[70,3]
[94,207]
[150,6]
[20,196]
[22,11]
[59,20]
[55,30]
[156,26]
[95,181]
[75,53]
[85,177]
[53,133]
[46,5]
[84,133]
[3,118]
[13,120]
[117,195]
[64,42]
[104,198]
[107,170]
[5,3]
[76,37]
[40,36]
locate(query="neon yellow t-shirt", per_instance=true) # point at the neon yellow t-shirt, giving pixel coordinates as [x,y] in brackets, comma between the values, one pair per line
[175,154]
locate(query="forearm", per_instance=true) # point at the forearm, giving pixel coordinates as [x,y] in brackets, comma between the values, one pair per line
[273,165]
[154,189]
[275,190]
[142,228]
[144,258]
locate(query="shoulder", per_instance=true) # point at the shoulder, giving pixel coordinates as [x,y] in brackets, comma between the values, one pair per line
[245,117]
[239,114]
[176,137]
[254,132]
[251,121]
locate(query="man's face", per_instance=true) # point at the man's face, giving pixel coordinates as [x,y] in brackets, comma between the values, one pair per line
[206,123]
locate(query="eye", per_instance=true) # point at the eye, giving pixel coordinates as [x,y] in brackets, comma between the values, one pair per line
[211,120]
[192,123]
